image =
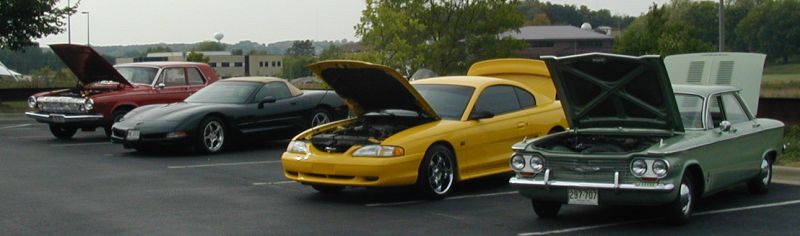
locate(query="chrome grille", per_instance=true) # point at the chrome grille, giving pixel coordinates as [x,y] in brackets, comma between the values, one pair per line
[62,105]
[588,170]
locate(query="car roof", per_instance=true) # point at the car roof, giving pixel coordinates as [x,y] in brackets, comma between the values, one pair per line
[472,81]
[702,90]
[161,63]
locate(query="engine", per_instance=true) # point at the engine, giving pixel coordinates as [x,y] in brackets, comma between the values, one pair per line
[588,144]
[365,131]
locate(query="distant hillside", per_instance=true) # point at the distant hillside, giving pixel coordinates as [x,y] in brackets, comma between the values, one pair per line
[277,48]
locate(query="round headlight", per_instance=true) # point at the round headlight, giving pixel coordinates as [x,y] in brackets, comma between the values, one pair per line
[88,104]
[517,162]
[537,164]
[660,168]
[32,102]
[639,167]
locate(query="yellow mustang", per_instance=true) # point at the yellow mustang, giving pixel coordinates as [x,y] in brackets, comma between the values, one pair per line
[429,132]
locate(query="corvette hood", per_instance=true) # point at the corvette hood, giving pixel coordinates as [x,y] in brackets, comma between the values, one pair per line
[87,64]
[369,87]
[169,112]
[601,90]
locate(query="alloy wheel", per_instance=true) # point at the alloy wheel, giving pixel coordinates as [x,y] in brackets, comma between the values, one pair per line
[441,173]
[319,118]
[213,135]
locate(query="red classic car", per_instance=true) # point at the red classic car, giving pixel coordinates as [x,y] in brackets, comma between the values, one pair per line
[105,92]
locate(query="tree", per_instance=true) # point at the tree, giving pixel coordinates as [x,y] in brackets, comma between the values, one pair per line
[159,49]
[208,46]
[25,20]
[666,30]
[295,66]
[444,35]
[332,52]
[301,48]
[196,57]
[771,27]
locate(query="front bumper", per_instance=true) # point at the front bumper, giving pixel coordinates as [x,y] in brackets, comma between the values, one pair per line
[616,193]
[148,139]
[64,118]
[346,170]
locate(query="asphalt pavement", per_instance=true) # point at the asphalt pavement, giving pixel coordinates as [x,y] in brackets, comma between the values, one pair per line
[88,186]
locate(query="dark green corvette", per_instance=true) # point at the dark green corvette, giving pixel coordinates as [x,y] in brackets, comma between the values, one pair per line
[635,139]
[209,120]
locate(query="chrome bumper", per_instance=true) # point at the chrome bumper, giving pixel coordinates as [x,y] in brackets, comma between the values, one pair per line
[61,118]
[547,183]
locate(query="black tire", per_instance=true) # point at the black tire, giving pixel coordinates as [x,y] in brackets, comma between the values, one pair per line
[62,132]
[115,117]
[437,172]
[327,189]
[211,135]
[680,210]
[319,116]
[546,209]
[760,184]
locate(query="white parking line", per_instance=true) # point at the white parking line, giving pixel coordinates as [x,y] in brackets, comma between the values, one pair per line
[224,164]
[714,212]
[449,198]
[78,144]
[16,126]
[273,183]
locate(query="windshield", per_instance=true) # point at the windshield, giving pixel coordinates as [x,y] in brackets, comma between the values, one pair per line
[449,101]
[138,75]
[225,92]
[691,109]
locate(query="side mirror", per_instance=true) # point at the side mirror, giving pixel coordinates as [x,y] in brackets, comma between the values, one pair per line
[481,115]
[725,126]
[267,99]
[160,86]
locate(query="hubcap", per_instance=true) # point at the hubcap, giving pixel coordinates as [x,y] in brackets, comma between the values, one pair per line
[441,173]
[686,198]
[319,118]
[765,170]
[213,136]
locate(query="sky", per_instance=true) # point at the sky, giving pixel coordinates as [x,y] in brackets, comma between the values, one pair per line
[131,22]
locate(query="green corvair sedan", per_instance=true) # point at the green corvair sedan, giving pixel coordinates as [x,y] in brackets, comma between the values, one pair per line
[635,139]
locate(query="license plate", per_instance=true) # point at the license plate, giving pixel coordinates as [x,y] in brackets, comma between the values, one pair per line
[582,196]
[132,135]
[57,118]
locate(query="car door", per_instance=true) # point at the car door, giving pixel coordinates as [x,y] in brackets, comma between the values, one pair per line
[489,140]
[172,86]
[730,158]
[195,79]
[282,114]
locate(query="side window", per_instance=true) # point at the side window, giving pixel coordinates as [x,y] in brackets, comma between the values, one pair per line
[715,114]
[498,100]
[275,89]
[525,99]
[194,76]
[174,77]
[733,109]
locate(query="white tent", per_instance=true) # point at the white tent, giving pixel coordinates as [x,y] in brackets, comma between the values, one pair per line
[4,71]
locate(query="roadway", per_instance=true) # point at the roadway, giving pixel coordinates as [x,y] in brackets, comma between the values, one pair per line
[88,186]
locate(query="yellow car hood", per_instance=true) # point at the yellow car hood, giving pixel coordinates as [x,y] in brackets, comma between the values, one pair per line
[369,87]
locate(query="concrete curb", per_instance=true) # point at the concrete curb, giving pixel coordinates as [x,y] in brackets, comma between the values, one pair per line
[786,175]
[13,116]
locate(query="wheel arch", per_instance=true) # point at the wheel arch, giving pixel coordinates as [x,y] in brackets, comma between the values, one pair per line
[771,155]
[695,172]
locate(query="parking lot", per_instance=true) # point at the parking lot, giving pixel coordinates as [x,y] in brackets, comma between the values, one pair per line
[88,186]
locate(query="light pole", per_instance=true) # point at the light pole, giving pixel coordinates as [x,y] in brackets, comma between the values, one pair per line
[87,27]
[69,26]
[721,25]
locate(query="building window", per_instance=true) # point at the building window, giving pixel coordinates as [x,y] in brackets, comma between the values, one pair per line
[226,64]
[237,64]
[279,63]
[212,64]
[273,64]
[590,44]
[266,64]
[542,44]
[260,64]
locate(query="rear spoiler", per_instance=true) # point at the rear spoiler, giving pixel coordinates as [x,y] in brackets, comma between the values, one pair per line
[529,72]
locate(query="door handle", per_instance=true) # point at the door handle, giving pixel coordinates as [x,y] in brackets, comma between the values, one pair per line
[756,125]
[522,124]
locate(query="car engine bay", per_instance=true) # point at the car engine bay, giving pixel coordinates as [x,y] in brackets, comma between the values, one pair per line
[364,131]
[589,144]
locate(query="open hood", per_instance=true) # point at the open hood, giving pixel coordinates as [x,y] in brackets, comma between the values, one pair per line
[600,90]
[87,64]
[742,70]
[368,87]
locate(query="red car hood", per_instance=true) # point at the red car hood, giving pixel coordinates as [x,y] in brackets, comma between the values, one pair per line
[87,64]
